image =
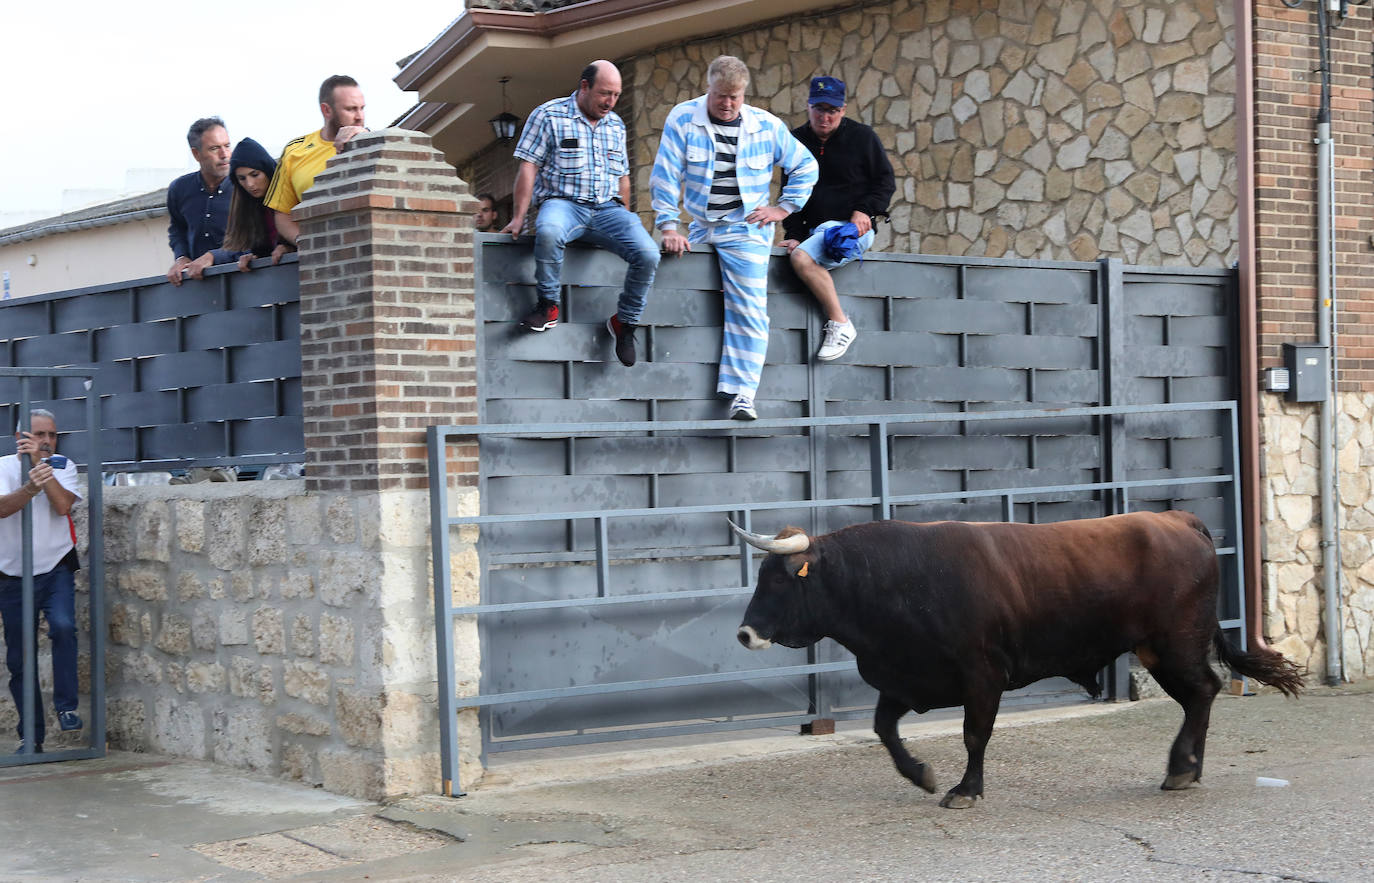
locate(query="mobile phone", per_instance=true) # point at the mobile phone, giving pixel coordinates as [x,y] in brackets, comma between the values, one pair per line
[57,461]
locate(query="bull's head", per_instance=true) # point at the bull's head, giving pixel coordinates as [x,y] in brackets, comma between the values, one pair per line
[778,610]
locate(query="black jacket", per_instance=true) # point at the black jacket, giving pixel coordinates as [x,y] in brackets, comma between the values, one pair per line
[855,175]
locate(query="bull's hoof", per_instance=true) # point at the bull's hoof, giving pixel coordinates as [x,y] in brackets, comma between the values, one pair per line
[957,801]
[1179,781]
[925,778]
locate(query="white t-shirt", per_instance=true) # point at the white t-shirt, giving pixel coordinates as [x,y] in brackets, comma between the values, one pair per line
[52,533]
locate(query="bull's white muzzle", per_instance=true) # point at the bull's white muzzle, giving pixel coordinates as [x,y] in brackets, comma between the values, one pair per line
[750,638]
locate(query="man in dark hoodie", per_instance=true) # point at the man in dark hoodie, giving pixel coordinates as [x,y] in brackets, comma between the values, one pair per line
[856,185]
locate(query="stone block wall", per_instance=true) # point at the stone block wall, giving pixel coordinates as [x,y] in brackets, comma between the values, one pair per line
[245,627]
[272,628]
[281,630]
[1021,128]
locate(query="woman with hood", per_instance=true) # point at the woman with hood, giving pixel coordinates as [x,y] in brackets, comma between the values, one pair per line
[252,231]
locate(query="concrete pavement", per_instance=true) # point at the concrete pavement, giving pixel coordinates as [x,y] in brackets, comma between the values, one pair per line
[1072,794]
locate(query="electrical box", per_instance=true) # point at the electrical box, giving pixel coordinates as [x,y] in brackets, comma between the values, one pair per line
[1307,371]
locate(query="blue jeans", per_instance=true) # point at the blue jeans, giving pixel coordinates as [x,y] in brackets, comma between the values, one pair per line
[609,225]
[54,593]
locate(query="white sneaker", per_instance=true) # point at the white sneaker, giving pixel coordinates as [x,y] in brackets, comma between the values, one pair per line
[837,339]
[742,408]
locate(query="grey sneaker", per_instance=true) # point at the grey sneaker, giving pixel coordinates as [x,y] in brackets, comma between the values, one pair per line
[742,408]
[837,339]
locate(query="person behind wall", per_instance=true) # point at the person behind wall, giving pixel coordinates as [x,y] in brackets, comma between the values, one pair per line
[486,219]
[49,491]
[198,203]
[573,165]
[252,229]
[856,184]
[342,107]
[723,152]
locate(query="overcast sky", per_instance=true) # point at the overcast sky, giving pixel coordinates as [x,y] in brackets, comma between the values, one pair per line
[92,89]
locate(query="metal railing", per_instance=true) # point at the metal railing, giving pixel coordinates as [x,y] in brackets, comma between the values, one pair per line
[95,569]
[881,501]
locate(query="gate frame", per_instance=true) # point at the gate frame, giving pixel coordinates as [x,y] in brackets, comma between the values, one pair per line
[1115,498]
[95,570]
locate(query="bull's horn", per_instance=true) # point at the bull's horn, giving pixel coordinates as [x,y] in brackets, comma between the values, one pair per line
[786,546]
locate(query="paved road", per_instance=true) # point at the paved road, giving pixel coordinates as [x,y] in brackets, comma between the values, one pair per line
[1073,798]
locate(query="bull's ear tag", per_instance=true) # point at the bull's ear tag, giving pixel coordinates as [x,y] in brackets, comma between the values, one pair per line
[805,568]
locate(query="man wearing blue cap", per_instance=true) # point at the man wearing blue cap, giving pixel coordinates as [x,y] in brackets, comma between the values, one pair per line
[855,187]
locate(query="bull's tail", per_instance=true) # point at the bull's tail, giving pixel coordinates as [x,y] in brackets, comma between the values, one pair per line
[1266,666]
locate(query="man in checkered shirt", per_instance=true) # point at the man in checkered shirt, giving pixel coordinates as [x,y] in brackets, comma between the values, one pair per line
[574,166]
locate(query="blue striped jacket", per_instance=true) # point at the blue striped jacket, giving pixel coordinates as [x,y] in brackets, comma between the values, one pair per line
[686,156]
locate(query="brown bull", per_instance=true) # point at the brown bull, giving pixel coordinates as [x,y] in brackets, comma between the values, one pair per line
[953,613]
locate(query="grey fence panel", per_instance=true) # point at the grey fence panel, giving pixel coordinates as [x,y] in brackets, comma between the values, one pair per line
[119,342]
[1180,346]
[937,336]
[204,374]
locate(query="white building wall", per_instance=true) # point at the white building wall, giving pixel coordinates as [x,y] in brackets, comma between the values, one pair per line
[79,258]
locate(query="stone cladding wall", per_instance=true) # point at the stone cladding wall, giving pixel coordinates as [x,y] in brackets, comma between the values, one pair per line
[1054,130]
[1291,518]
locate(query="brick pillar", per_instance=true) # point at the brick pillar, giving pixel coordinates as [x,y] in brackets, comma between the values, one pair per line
[387,348]
[387,335]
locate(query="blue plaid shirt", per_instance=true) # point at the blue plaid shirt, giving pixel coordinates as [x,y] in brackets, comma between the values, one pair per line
[576,160]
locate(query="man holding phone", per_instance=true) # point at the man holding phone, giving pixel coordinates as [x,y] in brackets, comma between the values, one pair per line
[50,487]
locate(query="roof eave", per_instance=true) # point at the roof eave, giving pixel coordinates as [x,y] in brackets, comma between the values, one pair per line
[461,67]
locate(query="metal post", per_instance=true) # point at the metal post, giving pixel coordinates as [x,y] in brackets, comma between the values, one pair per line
[1111,352]
[443,611]
[603,557]
[95,561]
[877,465]
[746,569]
[30,664]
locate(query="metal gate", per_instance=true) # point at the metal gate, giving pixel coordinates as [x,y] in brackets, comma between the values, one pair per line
[75,386]
[978,390]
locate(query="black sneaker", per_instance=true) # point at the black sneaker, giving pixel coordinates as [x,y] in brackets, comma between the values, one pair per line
[624,340]
[69,720]
[543,317]
[23,748]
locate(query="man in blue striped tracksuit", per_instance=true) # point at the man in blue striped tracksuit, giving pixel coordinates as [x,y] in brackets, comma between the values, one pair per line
[717,155]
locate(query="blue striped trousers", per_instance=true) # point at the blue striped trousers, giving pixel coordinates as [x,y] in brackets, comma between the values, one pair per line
[743,252]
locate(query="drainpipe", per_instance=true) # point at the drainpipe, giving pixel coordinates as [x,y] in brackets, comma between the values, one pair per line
[1327,440]
[1247,306]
